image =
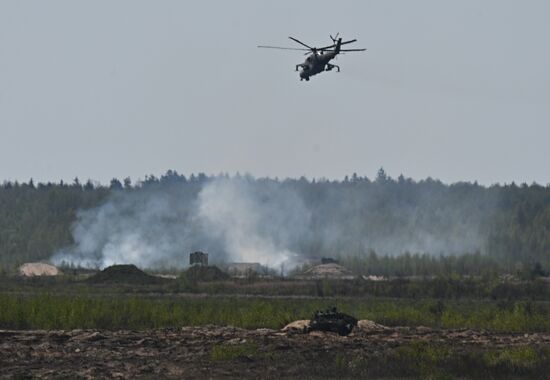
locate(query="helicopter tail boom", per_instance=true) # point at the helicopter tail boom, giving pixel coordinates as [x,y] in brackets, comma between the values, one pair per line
[338,45]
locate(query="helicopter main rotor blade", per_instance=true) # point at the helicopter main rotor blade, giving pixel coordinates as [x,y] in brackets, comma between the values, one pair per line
[353,49]
[344,50]
[301,43]
[348,42]
[281,48]
[334,45]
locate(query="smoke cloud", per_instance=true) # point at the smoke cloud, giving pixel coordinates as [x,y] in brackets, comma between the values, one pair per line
[235,220]
[271,222]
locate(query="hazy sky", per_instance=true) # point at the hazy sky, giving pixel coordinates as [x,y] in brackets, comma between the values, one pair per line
[455,90]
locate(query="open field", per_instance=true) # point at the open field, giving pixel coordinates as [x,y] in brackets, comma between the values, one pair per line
[72,327]
[213,352]
[45,311]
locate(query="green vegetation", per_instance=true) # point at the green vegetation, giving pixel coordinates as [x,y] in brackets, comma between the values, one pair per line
[234,351]
[512,222]
[46,311]
[439,287]
[515,359]
[430,360]
[415,359]
[422,358]
[35,221]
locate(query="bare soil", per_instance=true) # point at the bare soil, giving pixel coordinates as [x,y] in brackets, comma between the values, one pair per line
[38,269]
[214,352]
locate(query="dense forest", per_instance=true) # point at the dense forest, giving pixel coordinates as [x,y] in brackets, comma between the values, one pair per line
[384,225]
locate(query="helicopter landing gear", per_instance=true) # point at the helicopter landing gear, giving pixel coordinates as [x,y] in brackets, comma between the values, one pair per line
[331,66]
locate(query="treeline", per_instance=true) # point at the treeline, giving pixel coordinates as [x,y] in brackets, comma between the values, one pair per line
[425,265]
[35,220]
[367,223]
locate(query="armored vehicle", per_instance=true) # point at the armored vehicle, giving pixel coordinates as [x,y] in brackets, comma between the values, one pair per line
[332,320]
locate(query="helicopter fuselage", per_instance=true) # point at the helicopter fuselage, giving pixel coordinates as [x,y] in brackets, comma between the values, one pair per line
[316,63]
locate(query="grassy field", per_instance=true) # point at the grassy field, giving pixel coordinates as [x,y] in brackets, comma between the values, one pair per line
[72,302]
[445,287]
[70,311]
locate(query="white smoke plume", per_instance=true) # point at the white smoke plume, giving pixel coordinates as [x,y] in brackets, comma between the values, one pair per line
[276,223]
[232,219]
[254,226]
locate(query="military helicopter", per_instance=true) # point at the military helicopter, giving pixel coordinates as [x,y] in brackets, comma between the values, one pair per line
[318,60]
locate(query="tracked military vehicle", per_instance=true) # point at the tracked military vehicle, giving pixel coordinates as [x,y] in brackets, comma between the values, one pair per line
[332,320]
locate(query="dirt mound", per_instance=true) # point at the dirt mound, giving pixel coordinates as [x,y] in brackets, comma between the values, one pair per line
[206,273]
[38,269]
[125,274]
[363,325]
[368,325]
[331,271]
[297,326]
